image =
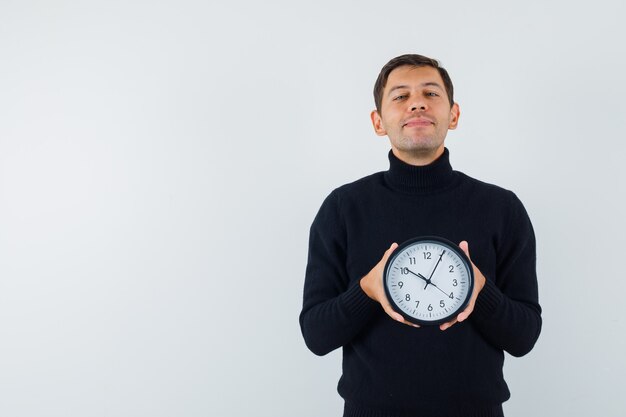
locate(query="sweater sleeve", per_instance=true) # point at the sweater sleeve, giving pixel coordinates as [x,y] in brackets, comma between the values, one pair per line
[334,310]
[507,312]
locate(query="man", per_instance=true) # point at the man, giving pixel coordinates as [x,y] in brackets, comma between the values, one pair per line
[391,368]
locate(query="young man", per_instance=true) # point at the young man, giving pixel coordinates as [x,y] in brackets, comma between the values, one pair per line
[390,367]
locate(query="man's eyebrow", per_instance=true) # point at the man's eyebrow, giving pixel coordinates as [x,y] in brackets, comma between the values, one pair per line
[426,84]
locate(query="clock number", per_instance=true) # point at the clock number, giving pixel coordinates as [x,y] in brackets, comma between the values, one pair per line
[412,261]
[400,284]
[451,268]
[451,295]
[442,304]
[426,255]
[430,307]
[404,271]
[417,303]
[455,282]
[407,297]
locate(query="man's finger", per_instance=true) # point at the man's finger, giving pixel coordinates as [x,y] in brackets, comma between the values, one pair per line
[388,252]
[465,248]
[465,313]
[390,311]
[396,316]
[384,303]
[447,325]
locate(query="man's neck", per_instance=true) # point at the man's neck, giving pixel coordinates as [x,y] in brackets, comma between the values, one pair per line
[418,158]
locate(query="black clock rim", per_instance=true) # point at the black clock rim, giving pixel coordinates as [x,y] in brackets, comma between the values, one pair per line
[451,246]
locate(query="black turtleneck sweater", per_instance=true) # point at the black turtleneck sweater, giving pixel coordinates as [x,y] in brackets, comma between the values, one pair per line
[389,368]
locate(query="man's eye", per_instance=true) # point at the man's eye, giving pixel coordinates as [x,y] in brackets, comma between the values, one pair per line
[431,94]
[397,98]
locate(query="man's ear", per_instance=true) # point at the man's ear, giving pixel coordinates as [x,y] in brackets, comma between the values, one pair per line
[455,113]
[377,122]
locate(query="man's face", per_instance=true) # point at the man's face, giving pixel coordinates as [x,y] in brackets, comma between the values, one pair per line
[415,114]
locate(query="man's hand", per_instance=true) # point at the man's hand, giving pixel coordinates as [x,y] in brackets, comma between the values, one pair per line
[372,285]
[479,283]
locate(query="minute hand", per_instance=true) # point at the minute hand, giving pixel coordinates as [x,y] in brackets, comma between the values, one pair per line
[434,269]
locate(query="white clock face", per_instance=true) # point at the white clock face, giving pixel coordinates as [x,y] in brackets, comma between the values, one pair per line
[428,280]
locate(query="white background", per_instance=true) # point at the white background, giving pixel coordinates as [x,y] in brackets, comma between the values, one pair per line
[161,163]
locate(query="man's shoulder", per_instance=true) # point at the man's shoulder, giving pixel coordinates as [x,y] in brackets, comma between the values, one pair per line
[355,191]
[492,192]
[345,196]
[362,184]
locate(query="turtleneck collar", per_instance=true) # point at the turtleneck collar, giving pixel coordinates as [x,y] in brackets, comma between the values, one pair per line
[413,179]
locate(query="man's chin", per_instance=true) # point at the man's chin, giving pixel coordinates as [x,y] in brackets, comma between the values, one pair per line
[420,146]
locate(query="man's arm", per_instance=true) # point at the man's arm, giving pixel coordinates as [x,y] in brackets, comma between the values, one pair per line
[334,310]
[507,311]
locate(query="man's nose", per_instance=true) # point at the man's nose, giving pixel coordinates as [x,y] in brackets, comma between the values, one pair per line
[417,105]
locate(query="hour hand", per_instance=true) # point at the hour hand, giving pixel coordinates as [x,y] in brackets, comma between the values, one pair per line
[428,281]
[422,276]
[417,275]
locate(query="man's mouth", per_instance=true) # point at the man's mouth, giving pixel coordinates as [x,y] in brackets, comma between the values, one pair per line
[418,121]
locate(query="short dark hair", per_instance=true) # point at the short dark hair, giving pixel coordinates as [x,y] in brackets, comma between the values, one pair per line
[412,60]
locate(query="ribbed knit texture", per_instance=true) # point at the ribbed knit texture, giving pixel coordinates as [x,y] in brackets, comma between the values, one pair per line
[393,370]
[354,410]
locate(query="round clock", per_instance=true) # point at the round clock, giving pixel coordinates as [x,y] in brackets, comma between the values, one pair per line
[428,280]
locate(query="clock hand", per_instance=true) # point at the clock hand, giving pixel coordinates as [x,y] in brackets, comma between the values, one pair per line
[417,275]
[428,281]
[434,269]
[436,265]
[431,283]
[435,285]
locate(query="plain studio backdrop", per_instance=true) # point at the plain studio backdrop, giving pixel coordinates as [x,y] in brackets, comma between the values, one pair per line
[161,164]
